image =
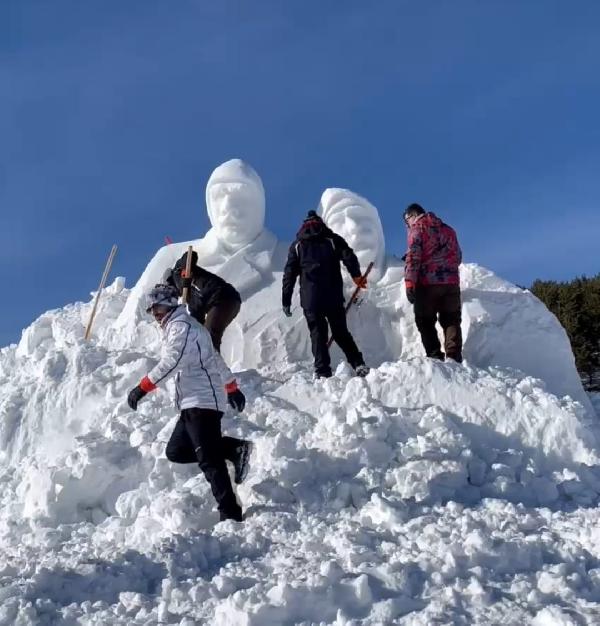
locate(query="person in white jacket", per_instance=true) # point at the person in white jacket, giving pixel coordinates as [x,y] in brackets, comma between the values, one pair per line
[203,384]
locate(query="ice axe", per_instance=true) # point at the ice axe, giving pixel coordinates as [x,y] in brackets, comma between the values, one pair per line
[354,297]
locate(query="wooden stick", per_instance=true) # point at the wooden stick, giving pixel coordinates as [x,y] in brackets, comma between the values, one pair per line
[188,272]
[353,298]
[111,256]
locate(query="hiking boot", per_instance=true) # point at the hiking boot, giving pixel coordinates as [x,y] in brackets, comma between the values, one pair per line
[236,516]
[242,461]
[438,356]
[318,375]
[362,370]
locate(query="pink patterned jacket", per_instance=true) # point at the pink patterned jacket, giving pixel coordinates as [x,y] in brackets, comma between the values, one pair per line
[433,253]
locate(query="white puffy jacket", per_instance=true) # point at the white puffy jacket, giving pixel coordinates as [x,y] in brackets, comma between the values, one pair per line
[199,370]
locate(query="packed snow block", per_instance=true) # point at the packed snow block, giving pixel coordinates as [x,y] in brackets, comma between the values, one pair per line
[553,616]
[86,487]
[492,410]
[426,480]
[506,326]
[317,601]
[35,337]
[381,512]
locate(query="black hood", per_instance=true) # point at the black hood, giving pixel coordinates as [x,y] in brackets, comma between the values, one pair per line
[312,228]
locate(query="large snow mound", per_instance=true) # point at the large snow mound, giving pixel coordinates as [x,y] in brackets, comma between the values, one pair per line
[503,325]
[427,493]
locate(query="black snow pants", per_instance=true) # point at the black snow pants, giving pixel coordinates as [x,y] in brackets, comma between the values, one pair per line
[319,335]
[197,438]
[439,303]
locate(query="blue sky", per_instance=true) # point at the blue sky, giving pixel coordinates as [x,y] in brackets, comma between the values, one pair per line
[113,114]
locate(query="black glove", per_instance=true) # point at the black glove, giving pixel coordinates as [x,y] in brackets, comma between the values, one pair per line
[411,294]
[186,281]
[135,395]
[287,311]
[237,400]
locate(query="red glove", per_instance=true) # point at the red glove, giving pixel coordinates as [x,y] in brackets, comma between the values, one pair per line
[235,397]
[360,282]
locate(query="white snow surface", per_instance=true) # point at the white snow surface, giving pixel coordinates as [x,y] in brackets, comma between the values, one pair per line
[427,493]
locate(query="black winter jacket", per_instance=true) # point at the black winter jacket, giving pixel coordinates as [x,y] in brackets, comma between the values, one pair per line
[315,257]
[208,290]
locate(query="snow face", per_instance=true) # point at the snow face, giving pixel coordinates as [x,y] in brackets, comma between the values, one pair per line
[235,199]
[357,221]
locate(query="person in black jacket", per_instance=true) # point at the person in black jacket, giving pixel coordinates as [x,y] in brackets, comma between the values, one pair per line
[315,257]
[211,300]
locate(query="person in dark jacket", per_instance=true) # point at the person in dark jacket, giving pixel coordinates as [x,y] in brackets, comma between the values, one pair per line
[211,300]
[315,257]
[431,275]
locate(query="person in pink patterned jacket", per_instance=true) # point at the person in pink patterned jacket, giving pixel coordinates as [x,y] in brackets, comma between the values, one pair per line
[432,281]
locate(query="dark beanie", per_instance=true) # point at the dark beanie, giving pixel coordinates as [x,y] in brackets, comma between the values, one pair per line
[181,264]
[414,209]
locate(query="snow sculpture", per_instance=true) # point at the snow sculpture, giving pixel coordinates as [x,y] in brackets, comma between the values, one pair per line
[376,322]
[357,221]
[502,324]
[237,246]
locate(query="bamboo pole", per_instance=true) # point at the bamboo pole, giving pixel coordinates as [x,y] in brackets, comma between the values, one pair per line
[188,273]
[109,263]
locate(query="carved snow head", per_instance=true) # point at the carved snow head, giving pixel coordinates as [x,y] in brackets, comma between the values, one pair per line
[357,221]
[235,199]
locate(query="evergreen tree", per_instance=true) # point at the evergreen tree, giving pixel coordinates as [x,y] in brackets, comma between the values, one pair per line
[576,304]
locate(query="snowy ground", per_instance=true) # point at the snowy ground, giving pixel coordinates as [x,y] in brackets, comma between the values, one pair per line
[428,493]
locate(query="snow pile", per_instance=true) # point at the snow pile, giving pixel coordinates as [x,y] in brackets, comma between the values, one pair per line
[428,492]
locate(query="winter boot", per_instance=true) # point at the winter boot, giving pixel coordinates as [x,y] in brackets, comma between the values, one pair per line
[325,374]
[361,370]
[236,516]
[242,461]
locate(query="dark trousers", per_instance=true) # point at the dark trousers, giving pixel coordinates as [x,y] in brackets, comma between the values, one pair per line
[197,439]
[319,323]
[218,319]
[439,303]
